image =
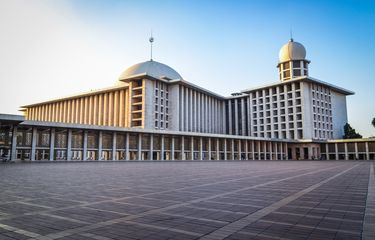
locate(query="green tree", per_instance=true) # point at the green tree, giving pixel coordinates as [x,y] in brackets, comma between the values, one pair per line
[373,122]
[350,132]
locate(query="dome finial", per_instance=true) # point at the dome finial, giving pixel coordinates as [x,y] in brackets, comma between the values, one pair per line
[291,35]
[151,40]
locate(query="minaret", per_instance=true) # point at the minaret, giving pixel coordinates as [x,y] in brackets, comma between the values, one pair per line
[151,40]
[292,61]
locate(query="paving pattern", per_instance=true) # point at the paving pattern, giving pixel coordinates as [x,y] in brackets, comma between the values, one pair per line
[188,200]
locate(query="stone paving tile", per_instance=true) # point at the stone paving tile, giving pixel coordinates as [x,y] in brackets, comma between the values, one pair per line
[88,214]
[122,208]
[19,208]
[183,200]
[180,222]
[40,224]
[54,202]
[207,214]
[12,235]
[148,202]
[133,231]
[76,237]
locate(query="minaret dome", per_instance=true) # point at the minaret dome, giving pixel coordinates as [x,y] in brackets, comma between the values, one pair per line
[292,61]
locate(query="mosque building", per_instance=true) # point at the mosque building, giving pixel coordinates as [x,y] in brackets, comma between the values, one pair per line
[152,113]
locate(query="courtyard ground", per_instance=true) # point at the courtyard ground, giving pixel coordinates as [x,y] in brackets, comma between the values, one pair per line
[188,200]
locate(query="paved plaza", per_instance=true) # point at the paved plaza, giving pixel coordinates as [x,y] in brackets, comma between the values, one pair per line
[188,200]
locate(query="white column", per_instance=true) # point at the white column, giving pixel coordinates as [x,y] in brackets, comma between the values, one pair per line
[327,152]
[253,149]
[192,148]
[265,149]
[367,151]
[246,150]
[69,146]
[230,117]
[51,144]
[139,147]
[224,111]
[200,148]
[198,108]
[236,122]
[239,150]
[33,144]
[271,150]
[162,157]
[232,148]
[209,149]
[311,152]
[13,155]
[225,149]
[195,112]
[346,151]
[127,146]
[84,155]
[336,152]
[100,145]
[356,150]
[182,109]
[217,148]
[208,117]
[172,148]
[190,116]
[183,148]
[259,152]
[150,153]
[286,152]
[114,146]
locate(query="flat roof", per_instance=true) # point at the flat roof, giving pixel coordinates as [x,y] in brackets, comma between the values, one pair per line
[84,94]
[307,79]
[11,117]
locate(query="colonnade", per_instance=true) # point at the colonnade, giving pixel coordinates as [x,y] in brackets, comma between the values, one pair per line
[349,150]
[74,144]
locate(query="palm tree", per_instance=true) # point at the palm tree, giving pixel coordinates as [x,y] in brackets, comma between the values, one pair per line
[373,122]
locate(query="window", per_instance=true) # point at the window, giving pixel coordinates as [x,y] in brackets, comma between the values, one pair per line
[296,72]
[296,64]
[286,65]
[286,74]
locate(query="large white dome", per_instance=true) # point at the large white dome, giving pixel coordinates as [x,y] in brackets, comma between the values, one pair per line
[292,51]
[151,68]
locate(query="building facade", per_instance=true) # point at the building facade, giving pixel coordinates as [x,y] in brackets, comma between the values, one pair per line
[153,113]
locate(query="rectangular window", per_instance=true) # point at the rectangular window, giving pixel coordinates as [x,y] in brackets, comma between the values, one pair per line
[286,74]
[296,64]
[286,65]
[296,72]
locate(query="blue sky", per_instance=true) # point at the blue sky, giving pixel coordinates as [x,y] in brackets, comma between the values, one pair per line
[57,48]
